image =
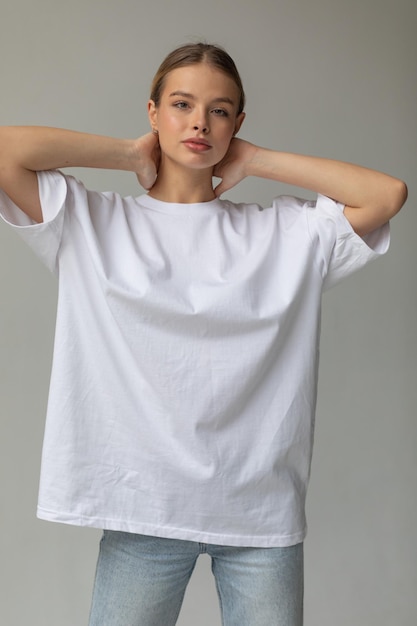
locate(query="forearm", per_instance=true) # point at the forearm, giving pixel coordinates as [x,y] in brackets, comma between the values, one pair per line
[39,148]
[352,185]
[27,150]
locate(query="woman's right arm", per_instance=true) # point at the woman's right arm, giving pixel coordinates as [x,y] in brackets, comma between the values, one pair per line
[26,150]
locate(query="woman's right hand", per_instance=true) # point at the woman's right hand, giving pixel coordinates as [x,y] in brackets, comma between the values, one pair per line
[148,156]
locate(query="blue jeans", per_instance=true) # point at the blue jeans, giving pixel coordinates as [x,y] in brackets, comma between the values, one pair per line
[141,581]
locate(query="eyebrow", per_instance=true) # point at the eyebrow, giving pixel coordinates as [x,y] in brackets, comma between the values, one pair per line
[190,96]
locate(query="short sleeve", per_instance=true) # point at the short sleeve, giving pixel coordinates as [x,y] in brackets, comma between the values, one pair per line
[43,238]
[341,252]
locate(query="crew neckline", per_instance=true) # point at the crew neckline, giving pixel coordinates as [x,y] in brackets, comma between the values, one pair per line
[178,208]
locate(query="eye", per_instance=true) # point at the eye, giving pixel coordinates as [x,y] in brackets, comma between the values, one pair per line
[221,112]
[181,105]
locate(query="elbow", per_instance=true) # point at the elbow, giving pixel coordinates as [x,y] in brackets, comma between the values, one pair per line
[399,194]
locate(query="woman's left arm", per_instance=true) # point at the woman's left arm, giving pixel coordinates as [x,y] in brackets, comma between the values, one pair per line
[371,198]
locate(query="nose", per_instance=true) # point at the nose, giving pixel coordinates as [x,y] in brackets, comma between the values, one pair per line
[202,129]
[200,122]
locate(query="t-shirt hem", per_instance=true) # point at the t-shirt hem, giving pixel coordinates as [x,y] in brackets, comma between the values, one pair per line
[252,541]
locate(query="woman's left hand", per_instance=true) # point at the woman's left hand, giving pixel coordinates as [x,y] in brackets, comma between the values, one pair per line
[234,166]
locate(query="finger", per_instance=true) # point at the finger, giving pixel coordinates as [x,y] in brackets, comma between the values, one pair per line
[220,189]
[147,179]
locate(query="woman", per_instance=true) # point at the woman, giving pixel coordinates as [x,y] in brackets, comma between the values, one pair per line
[182,397]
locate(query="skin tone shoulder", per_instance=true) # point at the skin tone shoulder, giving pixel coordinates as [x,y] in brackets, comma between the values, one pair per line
[196,122]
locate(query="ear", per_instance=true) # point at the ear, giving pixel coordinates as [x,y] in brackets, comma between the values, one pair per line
[239,122]
[152,115]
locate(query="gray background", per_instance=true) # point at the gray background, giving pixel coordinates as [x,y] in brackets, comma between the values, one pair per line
[325,77]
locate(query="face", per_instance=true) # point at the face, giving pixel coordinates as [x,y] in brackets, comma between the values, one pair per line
[197,115]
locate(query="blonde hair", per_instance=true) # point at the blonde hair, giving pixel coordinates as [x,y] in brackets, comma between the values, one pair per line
[192,54]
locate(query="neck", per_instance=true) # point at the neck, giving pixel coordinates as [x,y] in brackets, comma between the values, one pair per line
[183,185]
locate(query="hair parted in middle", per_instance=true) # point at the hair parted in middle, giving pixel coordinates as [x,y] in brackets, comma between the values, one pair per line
[192,54]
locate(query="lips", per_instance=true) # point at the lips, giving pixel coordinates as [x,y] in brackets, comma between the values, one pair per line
[196,143]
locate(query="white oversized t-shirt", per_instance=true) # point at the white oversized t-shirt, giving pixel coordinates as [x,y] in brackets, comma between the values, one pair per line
[184,375]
